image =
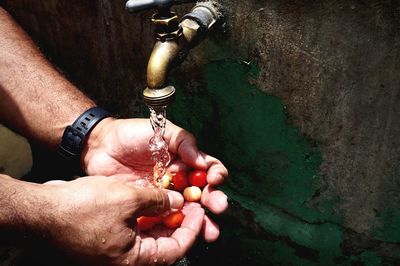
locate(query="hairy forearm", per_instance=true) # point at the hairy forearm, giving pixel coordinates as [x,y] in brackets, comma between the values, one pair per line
[35,99]
[22,205]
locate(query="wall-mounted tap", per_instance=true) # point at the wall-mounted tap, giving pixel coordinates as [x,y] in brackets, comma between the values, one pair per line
[174,39]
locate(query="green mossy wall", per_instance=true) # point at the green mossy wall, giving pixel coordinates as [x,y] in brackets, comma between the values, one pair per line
[274,176]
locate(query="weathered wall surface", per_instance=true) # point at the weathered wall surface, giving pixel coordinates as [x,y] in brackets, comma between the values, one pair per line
[301,100]
[15,154]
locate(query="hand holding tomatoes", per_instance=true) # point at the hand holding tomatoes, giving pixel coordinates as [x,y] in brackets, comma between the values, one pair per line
[190,185]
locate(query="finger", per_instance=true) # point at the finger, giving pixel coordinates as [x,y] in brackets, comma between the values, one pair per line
[178,165]
[183,143]
[214,200]
[167,250]
[216,172]
[210,230]
[190,205]
[153,202]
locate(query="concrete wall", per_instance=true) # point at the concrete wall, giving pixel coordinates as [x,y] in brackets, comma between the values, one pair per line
[15,154]
[301,100]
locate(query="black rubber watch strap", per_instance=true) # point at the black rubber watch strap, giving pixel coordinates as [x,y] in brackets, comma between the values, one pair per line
[74,135]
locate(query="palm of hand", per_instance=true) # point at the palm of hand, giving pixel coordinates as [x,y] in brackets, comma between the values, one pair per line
[123,152]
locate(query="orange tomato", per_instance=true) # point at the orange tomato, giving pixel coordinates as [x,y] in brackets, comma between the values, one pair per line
[145,223]
[173,220]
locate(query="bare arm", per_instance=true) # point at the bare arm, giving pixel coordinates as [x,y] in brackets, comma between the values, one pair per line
[35,100]
[21,205]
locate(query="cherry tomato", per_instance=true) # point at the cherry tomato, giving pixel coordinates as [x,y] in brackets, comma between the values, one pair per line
[166,180]
[173,220]
[198,178]
[180,180]
[192,193]
[145,223]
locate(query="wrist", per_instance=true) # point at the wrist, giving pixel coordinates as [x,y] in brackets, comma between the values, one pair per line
[95,139]
[75,135]
[97,133]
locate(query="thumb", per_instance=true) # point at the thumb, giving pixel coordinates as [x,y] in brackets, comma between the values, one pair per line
[152,202]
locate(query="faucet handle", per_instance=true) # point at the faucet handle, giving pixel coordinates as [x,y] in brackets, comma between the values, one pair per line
[138,5]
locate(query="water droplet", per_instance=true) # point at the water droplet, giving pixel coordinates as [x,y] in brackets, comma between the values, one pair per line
[183,262]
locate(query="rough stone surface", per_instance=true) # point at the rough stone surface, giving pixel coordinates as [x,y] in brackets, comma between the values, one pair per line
[335,65]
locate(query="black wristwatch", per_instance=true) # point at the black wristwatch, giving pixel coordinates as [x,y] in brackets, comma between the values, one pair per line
[74,135]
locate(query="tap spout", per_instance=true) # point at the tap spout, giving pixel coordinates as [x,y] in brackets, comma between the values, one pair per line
[161,61]
[173,44]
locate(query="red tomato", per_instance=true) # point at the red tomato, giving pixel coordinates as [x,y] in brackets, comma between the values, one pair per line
[173,220]
[198,178]
[145,223]
[180,180]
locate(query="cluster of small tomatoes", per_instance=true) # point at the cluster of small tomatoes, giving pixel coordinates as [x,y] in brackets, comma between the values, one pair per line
[189,184]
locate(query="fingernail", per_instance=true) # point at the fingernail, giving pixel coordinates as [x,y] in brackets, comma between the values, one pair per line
[175,200]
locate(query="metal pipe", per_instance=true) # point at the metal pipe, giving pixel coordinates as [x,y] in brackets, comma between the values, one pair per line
[138,5]
[173,46]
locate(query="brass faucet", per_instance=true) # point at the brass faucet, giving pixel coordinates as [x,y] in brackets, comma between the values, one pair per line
[174,39]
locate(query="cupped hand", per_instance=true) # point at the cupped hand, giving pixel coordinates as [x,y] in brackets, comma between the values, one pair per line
[94,219]
[120,148]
